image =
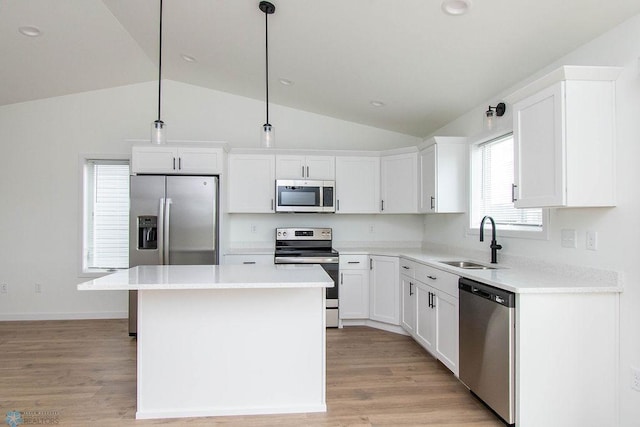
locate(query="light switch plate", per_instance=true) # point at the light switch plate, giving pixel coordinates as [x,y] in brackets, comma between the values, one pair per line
[569,238]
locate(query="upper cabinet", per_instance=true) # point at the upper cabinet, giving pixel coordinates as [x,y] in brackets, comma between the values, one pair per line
[176,160]
[564,139]
[251,183]
[443,172]
[305,167]
[357,185]
[399,183]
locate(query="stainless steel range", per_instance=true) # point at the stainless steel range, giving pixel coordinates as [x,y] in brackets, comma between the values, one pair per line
[311,246]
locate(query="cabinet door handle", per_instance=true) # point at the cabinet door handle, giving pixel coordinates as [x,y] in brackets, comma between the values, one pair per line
[513,192]
[353,262]
[338,204]
[432,277]
[342,278]
[303,171]
[179,163]
[410,288]
[370,264]
[271,204]
[174,163]
[248,262]
[429,299]
[433,300]
[381,205]
[307,171]
[433,202]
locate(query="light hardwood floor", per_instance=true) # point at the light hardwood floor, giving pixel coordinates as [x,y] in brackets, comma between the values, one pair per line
[86,371]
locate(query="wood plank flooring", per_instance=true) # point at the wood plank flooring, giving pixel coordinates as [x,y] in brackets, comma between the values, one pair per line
[85,370]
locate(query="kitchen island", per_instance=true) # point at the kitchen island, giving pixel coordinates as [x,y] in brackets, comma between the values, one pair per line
[227,340]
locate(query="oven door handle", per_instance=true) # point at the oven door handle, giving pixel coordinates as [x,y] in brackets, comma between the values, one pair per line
[305,260]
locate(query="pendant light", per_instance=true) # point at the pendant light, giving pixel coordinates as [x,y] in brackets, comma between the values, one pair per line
[267,138]
[158,128]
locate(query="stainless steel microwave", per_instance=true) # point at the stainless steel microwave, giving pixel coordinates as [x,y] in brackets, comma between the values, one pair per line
[305,196]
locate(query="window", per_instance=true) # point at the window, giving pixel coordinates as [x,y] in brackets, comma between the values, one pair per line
[106,215]
[491,188]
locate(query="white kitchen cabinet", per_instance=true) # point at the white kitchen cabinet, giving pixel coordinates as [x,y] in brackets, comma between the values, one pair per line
[251,183]
[249,259]
[564,139]
[443,175]
[176,160]
[357,185]
[437,324]
[354,287]
[385,289]
[305,167]
[399,183]
[409,304]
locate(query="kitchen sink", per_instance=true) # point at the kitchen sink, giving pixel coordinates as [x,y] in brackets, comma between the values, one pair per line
[469,265]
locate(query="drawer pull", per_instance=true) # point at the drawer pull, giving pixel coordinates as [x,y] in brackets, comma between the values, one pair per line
[406,268]
[353,262]
[248,262]
[432,277]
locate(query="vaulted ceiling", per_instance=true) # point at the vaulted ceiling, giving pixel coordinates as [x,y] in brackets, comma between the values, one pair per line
[427,67]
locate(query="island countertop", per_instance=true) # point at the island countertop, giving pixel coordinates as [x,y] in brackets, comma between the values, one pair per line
[178,277]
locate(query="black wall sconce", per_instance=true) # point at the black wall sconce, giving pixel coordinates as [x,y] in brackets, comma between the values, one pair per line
[492,113]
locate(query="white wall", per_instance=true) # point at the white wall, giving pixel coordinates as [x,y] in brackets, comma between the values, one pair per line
[40,187]
[618,231]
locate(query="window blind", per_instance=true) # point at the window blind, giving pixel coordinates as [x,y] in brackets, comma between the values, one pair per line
[496,177]
[108,214]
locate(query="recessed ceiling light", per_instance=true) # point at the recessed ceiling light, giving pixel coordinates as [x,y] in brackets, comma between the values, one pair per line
[456,7]
[377,103]
[30,31]
[285,82]
[188,58]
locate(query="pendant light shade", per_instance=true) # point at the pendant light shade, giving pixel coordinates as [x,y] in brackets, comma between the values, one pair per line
[267,137]
[158,127]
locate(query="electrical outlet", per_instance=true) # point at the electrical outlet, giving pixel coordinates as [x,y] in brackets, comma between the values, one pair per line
[4,288]
[38,288]
[372,229]
[592,240]
[569,238]
[253,228]
[635,378]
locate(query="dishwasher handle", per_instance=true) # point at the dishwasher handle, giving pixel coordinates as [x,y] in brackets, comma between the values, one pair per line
[491,293]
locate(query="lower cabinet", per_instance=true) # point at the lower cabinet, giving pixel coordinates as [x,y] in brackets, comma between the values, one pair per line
[385,289]
[409,304]
[437,324]
[354,287]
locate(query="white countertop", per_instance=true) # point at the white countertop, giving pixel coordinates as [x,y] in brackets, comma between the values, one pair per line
[158,277]
[535,277]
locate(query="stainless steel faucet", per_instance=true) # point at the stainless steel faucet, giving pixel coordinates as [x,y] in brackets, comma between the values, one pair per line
[494,245]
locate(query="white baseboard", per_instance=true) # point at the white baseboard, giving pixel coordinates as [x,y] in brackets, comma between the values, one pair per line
[64,316]
[374,324]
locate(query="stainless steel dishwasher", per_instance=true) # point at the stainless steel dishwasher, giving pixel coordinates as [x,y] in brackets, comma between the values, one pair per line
[487,345]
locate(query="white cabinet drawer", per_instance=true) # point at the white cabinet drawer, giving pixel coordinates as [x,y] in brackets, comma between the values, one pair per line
[354,262]
[408,268]
[248,259]
[441,280]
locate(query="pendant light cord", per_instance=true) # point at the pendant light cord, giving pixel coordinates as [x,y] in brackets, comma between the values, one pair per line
[266,41]
[160,63]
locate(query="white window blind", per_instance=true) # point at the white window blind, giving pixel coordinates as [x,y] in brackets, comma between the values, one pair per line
[491,187]
[107,214]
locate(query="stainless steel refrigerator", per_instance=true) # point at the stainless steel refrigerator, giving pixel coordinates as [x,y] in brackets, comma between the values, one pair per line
[173,219]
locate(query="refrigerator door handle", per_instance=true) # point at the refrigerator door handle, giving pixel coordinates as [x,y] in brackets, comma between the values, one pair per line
[161,231]
[167,220]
